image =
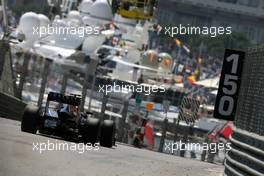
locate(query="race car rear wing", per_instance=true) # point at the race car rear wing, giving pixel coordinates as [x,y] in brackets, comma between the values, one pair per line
[65,99]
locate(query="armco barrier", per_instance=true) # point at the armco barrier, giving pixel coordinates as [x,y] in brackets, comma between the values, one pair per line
[247,154]
[11,107]
[246,158]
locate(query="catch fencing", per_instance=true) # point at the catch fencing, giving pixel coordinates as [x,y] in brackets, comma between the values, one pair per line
[247,155]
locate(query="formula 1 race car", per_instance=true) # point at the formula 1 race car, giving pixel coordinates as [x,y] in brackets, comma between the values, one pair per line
[62,117]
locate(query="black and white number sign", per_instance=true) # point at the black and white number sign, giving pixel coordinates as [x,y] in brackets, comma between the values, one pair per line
[226,100]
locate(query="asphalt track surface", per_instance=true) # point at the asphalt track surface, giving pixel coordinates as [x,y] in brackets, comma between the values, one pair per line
[17,158]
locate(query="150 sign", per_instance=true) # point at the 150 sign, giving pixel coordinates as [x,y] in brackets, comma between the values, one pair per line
[226,100]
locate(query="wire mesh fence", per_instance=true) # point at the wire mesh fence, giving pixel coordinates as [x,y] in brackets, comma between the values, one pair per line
[247,156]
[250,109]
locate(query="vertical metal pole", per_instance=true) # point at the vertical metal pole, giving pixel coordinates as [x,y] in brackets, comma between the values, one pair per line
[164,130]
[165,126]
[7,81]
[2,59]
[23,75]
[176,130]
[134,74]
[187,132]
[111,109]
[91,92]
[176,124]
[185,138]
[64,83]
[90,70]
[103,108]
[122,121]
[84,89]
[63,86]
[4,16]
[203,155]
[44,80]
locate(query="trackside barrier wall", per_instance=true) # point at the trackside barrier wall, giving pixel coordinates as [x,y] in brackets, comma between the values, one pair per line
[247,155]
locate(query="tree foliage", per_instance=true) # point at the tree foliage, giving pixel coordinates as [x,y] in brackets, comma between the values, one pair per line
[215,46]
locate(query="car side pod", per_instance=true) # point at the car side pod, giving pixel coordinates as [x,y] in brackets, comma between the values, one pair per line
[90,130]
[30,119]
[107,133]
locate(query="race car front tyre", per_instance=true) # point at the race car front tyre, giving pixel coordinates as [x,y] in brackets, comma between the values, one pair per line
[30,119]
[107,133]
[90,130]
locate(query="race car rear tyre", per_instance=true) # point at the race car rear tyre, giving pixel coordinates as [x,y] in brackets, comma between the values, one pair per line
[30,119]
[91,130]
[107,133]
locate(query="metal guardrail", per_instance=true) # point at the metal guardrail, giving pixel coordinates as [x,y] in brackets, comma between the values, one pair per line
[245,158]
[11,107]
